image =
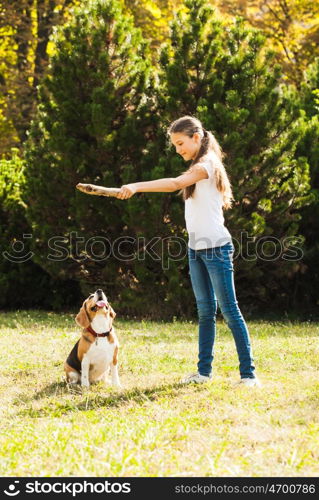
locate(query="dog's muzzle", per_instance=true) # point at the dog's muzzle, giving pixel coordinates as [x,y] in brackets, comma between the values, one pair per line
[100,299]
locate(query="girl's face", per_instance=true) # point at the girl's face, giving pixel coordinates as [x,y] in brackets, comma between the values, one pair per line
[186,146]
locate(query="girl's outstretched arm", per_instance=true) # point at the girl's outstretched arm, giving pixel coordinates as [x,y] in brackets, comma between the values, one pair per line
[169,185]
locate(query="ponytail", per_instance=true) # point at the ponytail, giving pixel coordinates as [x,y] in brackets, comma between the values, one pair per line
[222,180]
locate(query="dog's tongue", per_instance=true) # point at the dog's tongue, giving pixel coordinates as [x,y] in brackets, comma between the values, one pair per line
[101,303]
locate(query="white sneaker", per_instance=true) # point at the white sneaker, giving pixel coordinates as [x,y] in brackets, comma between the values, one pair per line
[250,382]
[197,378]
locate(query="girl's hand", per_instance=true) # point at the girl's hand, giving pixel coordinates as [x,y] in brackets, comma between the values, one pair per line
[126,191]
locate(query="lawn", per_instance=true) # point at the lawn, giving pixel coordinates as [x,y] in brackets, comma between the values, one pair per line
[155,426]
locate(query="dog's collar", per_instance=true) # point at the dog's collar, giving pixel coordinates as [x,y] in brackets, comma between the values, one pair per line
[104,334]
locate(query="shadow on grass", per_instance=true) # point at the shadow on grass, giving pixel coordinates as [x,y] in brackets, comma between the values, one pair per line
[92,401]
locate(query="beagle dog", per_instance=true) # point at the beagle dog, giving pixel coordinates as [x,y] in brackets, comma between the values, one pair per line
[96,352]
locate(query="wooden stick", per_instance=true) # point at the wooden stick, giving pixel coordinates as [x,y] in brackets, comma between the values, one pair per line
[97,190]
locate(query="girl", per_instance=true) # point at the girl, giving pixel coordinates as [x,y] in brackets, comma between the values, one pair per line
[206,191]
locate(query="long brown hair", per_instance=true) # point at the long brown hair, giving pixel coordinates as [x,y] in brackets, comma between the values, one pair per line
[189,125]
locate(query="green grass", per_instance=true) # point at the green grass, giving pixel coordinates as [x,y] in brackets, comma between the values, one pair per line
[154,426]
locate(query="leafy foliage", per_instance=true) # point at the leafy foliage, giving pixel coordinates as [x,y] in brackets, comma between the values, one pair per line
[25,27]
[91,127]
[104,104]
[308,277]
[291,28]
[22,282]
[99,122]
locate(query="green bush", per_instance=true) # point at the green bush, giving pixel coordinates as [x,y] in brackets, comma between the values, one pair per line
[306,288]
[95,123]
[23,284]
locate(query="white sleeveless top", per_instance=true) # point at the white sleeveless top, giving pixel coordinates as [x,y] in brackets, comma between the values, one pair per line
[204,212]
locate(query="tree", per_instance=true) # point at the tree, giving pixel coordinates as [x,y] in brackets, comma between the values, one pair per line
[25,27]
[291,28]
[223,75]
[92,125]
[306,288]
[153,17]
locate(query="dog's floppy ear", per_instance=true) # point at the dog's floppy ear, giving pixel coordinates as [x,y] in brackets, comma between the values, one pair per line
[82,318]
[112,312]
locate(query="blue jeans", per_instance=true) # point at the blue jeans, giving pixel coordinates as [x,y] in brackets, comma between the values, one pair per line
[212,276]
